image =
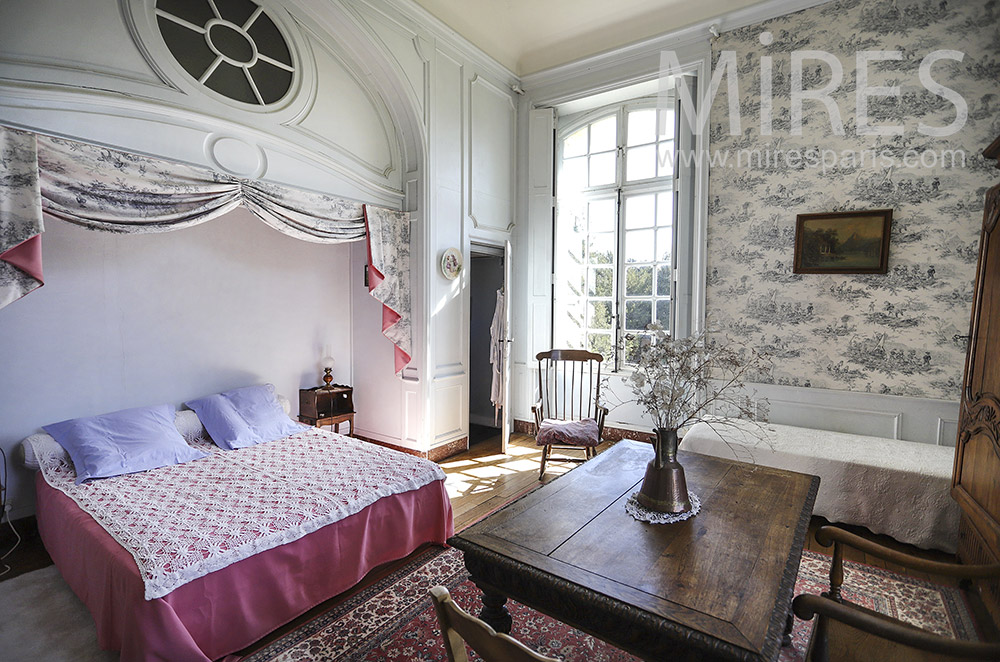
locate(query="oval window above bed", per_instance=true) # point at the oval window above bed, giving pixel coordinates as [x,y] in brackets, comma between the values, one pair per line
[231,47]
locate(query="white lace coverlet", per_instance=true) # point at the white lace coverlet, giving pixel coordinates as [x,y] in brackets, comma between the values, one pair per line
[184,521]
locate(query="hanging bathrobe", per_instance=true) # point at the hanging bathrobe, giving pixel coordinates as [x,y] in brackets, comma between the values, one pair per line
[497,333]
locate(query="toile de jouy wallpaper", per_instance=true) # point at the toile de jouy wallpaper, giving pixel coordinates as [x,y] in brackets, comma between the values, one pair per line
[898,333]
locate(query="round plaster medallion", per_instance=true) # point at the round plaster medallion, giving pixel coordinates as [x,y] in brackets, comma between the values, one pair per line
[236,156]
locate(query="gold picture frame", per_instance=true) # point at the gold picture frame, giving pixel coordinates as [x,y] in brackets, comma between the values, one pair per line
[846,242]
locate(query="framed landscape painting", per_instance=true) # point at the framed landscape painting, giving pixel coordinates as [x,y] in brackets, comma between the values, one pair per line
[846,242]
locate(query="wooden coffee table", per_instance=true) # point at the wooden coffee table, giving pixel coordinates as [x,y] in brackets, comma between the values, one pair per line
[715,587]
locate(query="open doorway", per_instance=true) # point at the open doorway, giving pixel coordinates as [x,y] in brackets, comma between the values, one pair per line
[486,387]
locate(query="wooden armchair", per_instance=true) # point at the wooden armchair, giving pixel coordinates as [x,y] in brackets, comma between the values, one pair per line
[845,631]
[568,413]
[458,627]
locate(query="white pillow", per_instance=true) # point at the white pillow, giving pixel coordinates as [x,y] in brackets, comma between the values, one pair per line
[189,426]
[41,445]
[285,404]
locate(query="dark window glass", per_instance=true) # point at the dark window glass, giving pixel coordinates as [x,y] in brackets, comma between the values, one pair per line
[269,40]
[272,82]
[236,11]
[189,47]
[191,30]
[232,82]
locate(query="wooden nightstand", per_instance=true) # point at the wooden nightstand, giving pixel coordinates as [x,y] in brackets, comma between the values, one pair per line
[327,405]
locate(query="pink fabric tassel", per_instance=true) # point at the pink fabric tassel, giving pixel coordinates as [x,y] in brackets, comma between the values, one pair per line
[26,256]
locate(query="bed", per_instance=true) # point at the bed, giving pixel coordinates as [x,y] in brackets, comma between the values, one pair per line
[131,560]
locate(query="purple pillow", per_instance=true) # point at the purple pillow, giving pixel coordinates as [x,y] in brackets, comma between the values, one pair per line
[244,417]
[123,442]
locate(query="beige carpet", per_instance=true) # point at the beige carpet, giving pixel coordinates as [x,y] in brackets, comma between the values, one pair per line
[41,619]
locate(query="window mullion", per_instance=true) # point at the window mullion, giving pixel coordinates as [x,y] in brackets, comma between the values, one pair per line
[620,253]
[620,284]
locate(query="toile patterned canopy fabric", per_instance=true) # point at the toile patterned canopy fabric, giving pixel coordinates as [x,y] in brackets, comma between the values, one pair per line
[114,191]
[389,260]
[20,217]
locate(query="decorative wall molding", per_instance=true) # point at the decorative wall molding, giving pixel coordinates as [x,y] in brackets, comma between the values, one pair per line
[380,27]
[379,108]
[450,411]
[235,156]
[920,420]
[491,208]
[947,431]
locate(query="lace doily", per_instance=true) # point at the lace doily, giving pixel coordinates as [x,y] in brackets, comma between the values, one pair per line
[643,514]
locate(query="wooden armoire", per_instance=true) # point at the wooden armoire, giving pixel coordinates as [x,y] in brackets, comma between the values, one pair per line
[976,479]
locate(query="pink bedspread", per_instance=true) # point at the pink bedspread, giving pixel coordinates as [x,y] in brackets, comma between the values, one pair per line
[231,608]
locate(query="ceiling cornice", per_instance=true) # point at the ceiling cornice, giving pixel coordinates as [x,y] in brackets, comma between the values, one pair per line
[547,84]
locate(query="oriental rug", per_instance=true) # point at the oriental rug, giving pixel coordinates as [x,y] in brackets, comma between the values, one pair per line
[393,620]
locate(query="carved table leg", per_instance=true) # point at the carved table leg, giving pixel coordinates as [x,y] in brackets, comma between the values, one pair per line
[494,612]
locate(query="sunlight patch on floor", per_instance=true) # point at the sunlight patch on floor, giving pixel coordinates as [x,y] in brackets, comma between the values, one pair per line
[457,464]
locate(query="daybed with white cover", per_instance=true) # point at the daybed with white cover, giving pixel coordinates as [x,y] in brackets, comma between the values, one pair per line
[891,486]
[195,561]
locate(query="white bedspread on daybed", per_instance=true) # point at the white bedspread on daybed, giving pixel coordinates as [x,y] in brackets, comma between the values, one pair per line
[185,521]
[890,486]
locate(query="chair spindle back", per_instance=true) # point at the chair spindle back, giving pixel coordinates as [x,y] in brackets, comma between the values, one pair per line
[569,383]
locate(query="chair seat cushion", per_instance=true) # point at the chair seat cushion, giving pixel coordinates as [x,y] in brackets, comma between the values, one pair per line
[570,433]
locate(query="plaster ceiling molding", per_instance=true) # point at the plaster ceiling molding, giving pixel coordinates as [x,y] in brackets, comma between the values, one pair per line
[528,36]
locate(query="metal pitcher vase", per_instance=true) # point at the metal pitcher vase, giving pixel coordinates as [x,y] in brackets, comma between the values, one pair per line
[664,488]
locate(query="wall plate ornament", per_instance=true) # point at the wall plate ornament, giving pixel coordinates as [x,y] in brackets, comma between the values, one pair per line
[451,263]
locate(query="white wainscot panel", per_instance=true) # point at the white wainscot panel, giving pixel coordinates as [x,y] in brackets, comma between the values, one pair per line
[540,246]
[541,335]
[411,416]
[521,391]
[893,417]
[450,409]
[447,338]
[447,122]
[366,138]
[947,431]
[491,156]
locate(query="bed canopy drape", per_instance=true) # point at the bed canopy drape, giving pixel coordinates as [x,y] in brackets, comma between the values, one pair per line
[114,191]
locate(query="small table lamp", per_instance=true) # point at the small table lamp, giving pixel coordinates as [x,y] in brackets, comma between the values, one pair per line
[327,363]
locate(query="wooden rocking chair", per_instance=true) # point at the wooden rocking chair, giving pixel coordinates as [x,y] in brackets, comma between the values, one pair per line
[846,631]
[568,414]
